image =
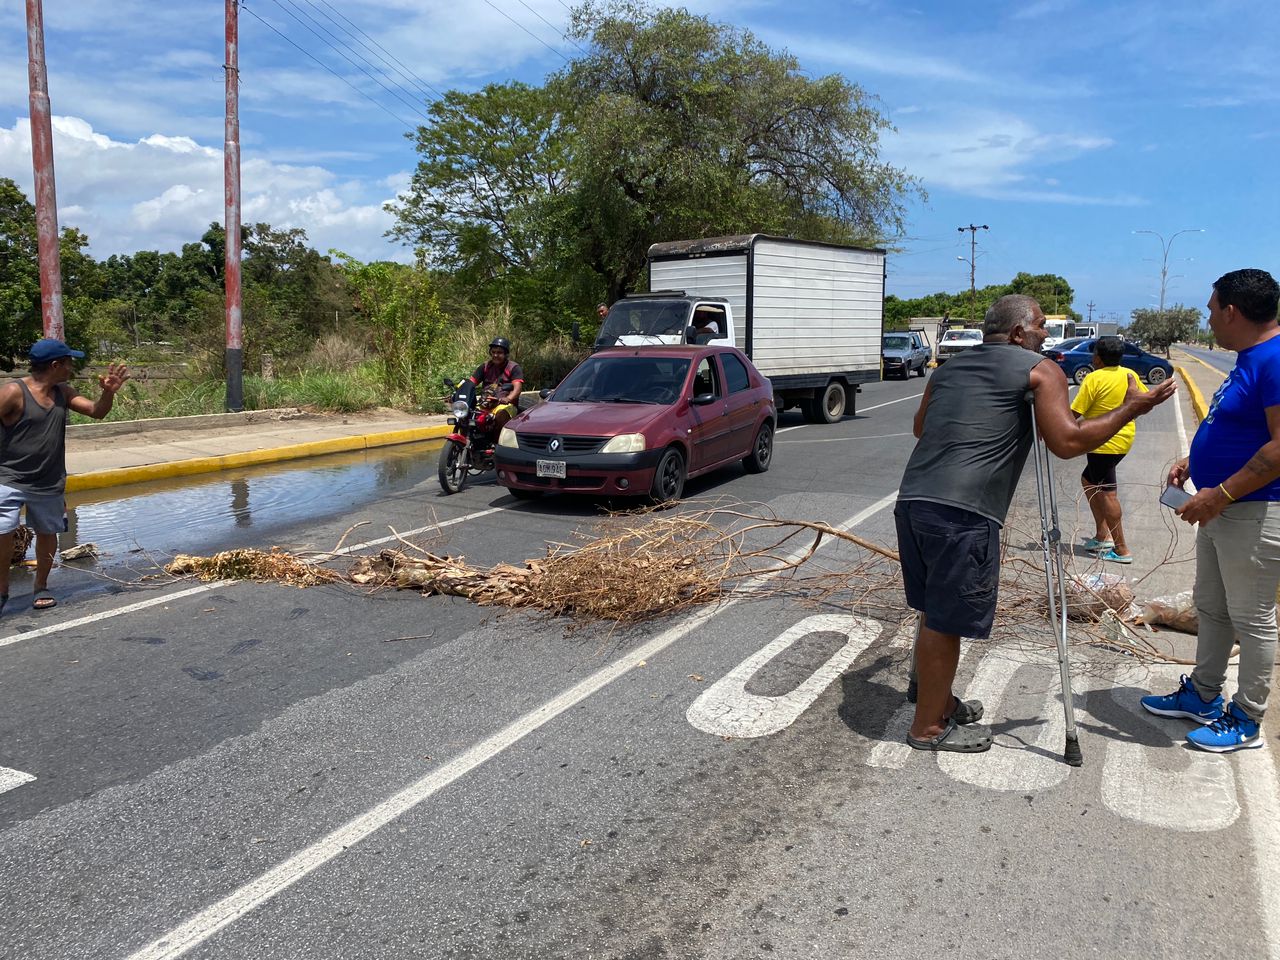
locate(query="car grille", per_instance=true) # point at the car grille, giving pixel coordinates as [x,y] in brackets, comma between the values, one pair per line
[537,443]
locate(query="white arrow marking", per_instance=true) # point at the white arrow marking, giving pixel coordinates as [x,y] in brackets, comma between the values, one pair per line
[13,778]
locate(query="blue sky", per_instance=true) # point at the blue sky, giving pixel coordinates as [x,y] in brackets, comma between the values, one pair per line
[1065,125]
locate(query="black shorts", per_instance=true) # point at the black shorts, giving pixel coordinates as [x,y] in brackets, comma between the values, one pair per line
[950,566]
[1100,469]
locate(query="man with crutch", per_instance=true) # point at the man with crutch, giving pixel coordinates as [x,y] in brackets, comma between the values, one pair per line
[974,431]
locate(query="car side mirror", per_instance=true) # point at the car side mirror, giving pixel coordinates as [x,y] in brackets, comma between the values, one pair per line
[544,393]
[702,399]
[690,334]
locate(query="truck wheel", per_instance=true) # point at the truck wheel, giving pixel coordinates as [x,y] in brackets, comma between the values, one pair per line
[668,478]
[923,370]
[828,406]
[761,455]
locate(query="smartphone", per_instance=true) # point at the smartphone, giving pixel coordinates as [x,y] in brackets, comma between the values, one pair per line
[1174,497]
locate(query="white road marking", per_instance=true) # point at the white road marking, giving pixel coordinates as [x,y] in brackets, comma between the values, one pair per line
[882,436]
[246,898]
[217,584]
[1198,798]
[1258,782]
[727,709]
[10,778]
[800,426]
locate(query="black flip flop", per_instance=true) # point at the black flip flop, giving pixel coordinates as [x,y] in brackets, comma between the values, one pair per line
[50,601]
[955,739]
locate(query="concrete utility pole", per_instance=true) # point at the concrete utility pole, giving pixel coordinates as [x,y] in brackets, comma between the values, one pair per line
[42,163]
[973,245]
[1164,257]
[1091,305]
[231,182]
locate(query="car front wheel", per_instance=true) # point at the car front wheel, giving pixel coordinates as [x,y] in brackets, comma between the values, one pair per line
[668,479]
[761,455]
[1156,375]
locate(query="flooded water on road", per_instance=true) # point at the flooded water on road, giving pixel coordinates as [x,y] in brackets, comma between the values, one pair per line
[190,514]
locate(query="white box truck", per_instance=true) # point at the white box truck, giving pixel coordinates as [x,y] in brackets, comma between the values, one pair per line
[809,315]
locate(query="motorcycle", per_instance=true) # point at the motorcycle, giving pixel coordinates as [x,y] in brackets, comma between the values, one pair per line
[469,449]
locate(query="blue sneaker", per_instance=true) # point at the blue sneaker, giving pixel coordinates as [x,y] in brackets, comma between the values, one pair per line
[1232,731]
[1185,702]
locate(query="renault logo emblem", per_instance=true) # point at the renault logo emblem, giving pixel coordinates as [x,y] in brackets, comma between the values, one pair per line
[553,446]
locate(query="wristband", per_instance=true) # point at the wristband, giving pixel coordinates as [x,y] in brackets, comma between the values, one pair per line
[1225,494]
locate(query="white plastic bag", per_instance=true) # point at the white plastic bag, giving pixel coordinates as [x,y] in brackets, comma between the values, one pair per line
[1176,611]
[1092,595]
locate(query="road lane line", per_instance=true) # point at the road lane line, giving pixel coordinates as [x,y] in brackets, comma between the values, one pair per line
[10,778]
[275,881]
[217,584]
[882,436]
[801,426]
[1258,783]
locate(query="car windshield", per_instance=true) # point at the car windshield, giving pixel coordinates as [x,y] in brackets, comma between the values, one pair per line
[897,343]
[629,379]
[965,335]
[655,318]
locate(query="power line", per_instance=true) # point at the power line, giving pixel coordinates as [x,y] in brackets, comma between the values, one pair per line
[406,72]
[550,24]
[376,103]
[355,64]
[528,31]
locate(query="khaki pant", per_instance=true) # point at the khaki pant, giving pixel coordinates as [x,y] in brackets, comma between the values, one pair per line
[1237,575]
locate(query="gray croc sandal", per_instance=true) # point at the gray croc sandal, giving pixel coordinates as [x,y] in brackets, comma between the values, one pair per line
[966,711]
[955,739]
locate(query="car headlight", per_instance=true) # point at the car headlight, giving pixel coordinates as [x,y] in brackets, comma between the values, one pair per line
[625,443]
[507,438]
[460,408]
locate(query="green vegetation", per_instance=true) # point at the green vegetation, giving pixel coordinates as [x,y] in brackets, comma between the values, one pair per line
[1157,330]
[1052,292]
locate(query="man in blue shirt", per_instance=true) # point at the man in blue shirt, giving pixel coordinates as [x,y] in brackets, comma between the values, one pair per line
[1235,465]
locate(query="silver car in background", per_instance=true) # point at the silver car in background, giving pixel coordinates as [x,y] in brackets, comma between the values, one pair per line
[956,341]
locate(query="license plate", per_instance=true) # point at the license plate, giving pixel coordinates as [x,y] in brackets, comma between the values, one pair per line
[551,468]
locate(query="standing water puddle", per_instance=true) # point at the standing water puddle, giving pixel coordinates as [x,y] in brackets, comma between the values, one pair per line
[214,511]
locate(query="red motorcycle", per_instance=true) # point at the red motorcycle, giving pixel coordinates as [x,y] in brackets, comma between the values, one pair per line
[469,449]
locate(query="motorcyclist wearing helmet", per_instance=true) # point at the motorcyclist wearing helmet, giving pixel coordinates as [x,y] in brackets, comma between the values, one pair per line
[502,379]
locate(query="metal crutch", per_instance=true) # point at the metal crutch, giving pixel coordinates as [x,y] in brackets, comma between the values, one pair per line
[1051,543]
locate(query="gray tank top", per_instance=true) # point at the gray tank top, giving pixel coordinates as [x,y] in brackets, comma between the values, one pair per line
[977,431]
[33,450]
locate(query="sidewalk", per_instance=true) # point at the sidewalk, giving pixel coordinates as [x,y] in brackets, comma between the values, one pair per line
[112,454]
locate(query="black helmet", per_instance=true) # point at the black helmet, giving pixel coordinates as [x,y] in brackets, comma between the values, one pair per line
[502,343]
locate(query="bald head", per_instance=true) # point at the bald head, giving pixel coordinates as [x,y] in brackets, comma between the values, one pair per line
[1014,310]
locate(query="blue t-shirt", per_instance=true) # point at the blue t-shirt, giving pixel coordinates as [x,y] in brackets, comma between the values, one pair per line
[1236,425]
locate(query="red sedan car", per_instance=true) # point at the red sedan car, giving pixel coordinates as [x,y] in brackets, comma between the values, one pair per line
[640,421]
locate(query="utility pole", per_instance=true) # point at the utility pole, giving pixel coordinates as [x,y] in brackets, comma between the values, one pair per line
[973,245]
[42,164]
[231,186]
[1091,305]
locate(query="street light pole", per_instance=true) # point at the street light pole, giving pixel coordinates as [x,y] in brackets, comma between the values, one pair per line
[1164,257]
[973,245]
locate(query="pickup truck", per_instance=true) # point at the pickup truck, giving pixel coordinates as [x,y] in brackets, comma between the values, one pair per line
[809,315]
[957,340]
[905,352]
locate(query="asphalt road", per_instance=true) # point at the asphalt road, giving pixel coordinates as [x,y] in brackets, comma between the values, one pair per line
[244,771]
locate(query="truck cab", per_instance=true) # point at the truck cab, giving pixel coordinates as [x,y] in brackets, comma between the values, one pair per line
[666,317]
[905,352]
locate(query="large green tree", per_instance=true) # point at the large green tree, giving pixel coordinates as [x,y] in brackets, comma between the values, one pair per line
[1158,329]
[667,126]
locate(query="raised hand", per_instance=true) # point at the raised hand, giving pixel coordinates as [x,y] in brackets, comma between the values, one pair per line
[114,378]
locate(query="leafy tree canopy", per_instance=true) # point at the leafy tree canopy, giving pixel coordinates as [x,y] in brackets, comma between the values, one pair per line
[1159,329]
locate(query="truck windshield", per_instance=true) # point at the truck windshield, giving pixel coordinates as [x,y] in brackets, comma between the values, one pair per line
[654,318]
[897,343]
[628,379]
[962,335]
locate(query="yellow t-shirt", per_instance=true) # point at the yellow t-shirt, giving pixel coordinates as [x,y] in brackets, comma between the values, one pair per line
[1102,391]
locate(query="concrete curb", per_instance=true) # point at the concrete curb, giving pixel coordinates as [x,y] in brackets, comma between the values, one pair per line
[1197,398]
[119,428]
[185,468]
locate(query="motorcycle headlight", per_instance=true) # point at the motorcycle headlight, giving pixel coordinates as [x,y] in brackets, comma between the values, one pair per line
[625,443]
[507,438]
[460,408]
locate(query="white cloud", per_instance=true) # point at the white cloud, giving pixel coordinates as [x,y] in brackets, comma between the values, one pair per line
[163,191]
[992,155]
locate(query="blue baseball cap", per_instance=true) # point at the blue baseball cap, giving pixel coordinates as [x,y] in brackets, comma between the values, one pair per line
[44,351]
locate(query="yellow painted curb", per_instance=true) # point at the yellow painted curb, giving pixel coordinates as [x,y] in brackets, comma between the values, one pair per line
[185,468]
[1197,398]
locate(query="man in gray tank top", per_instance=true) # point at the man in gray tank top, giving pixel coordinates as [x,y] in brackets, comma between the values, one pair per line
[33,467]
[974,433]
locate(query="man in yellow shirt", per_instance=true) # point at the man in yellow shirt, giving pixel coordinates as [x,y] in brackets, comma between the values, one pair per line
[1102,391]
